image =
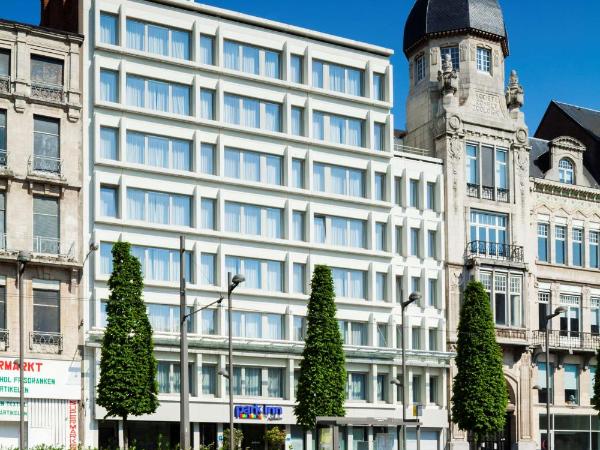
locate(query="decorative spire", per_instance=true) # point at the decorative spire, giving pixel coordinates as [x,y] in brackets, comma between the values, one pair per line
[447,77]
[515,94]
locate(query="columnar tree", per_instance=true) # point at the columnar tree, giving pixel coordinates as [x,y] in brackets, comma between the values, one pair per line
[322,383]
[127,384]
[479,397]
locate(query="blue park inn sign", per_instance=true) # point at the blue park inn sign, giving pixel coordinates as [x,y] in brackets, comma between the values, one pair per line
[258,412]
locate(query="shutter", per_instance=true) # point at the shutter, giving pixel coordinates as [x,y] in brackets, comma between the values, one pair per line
[487,166]
[45,217]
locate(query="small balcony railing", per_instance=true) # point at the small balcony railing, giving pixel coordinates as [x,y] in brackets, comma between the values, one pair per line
[511,334]
[4,339]
[495,250]
[3,158]
[4,84]
[488,193]
[47,245]
[46,164]
[401,148]
[46,342]
[47,92]
[567,340]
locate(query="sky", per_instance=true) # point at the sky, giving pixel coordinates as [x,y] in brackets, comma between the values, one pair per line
[553,43]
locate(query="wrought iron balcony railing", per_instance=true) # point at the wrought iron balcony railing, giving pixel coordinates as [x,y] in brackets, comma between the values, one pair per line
[47,92]
[4,84]
[511,334]
[567,340]
[488,192]
[495,250]
[4,339]
[47,245]
[46,164]
[45,342]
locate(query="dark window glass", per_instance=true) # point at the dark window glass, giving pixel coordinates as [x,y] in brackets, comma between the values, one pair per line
[46,311]
[46,71]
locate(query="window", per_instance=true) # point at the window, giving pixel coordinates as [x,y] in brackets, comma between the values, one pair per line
[415,285]
[46,225]
[339,180]
[158,95]
[109,143]
[472,165]
[207,104]
[505,292]
[433,389]
[484,60]
[542,233]
[252,60]
[297,121]
[165,318]
[433,339]
[379,136]
[158,40]
[431,203]
[207,159]
[570,322]
[338,129]
[2,220]
[159,264]
[46,310]
[208,269]
[454,56]
[109,30]
[168,377]
[432,298]
[416,338]
[432,244]
[488,234]
[296,68]
[109,85]
[274,327]
[207,214]
[380,186]
[594,254]
[354,333]
[341,78]
[380,232]
[298,173]
[298,219]
[560,245]
[275,382]
[571,382]
[595,316]
[299,328]
[106,260]
[414,193]
[47,72]
[419,68]
[252,166]
[487,172]
[159,207]
[379,86]
[566,172]
[382,386]
[380,286]
[349,283]
[416,389]
[3,160]
[357,383]
[577,247]
[299,278]
[158,151]
[109,201]
[541,382]
[414,242]
[252,113]
[3,325]
[543,309]
[340,231]
[502,169]
[253,220]
[382,334]
[209,379]
[4,63]
[207,49]
[260,274]
[209,322]
[398,240]
[247,381]
[46,144]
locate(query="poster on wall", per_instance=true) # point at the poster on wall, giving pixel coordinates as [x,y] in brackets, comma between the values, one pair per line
[43,379]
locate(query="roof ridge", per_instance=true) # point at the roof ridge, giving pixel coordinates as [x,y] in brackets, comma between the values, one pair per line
[576,106]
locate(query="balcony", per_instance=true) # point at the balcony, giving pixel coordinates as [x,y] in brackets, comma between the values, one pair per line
[511,335]
[495,250]
[4,339]
[567,340]
[401,148]
[45,342]
[488,193]
[4,84]
[47,92]
[45,164]
[46,245]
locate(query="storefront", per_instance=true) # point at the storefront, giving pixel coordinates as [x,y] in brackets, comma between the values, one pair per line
[581,432]
[52,393]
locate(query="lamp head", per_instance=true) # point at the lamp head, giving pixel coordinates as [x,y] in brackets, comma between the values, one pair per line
[412,298]
[24,257]
[237,279]
[558,311]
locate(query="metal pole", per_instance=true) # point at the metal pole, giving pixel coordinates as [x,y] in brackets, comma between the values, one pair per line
[404,379]
[548,439]
[230,370]
[418,437]
[184,388]
[20,270]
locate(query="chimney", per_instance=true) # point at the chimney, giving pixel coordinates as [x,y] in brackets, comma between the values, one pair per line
[60,14]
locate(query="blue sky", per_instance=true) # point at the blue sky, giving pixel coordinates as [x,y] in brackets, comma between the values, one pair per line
[553,42]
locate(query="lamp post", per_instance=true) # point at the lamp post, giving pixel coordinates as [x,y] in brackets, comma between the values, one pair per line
[22,259]
[412,298]
[557,312]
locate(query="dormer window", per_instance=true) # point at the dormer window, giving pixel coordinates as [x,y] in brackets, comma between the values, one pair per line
[419,68]
[566,171]
[484,60]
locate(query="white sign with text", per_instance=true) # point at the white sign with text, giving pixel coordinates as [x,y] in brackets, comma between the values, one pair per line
[43,379]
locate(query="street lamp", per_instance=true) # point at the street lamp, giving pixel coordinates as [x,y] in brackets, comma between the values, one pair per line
[23,258]
[557,312]
[412,298]
[232,283]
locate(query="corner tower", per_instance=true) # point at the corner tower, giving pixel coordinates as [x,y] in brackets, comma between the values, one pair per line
[460,107]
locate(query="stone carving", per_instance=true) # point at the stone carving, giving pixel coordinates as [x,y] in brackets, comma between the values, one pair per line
[464,52]
[454,123]
[47,93]
[487,104]
[515,94]
[521,135]
[434,56]
[496,58]
[447,77]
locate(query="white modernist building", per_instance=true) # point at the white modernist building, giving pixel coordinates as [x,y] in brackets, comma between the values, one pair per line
[270,148]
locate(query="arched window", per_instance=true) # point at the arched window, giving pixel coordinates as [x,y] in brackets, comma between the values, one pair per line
[566,172]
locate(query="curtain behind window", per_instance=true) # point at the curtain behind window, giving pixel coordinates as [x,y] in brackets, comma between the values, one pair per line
[136,204]
[108,143]
[136,143]
[180,44]
[272,64]
[181,99]
[135,34]
[231,55]
[158,151]
[181,154]
[135,91]
[158,40]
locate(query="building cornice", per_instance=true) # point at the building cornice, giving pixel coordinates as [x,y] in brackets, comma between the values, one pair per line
[48,33]
[565,190]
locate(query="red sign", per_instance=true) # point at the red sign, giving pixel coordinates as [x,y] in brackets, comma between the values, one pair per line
[73,444]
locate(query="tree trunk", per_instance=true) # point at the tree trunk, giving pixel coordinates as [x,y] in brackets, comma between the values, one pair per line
[125,434]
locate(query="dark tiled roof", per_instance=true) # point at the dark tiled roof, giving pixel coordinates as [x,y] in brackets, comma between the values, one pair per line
[589,119]
[432,17]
